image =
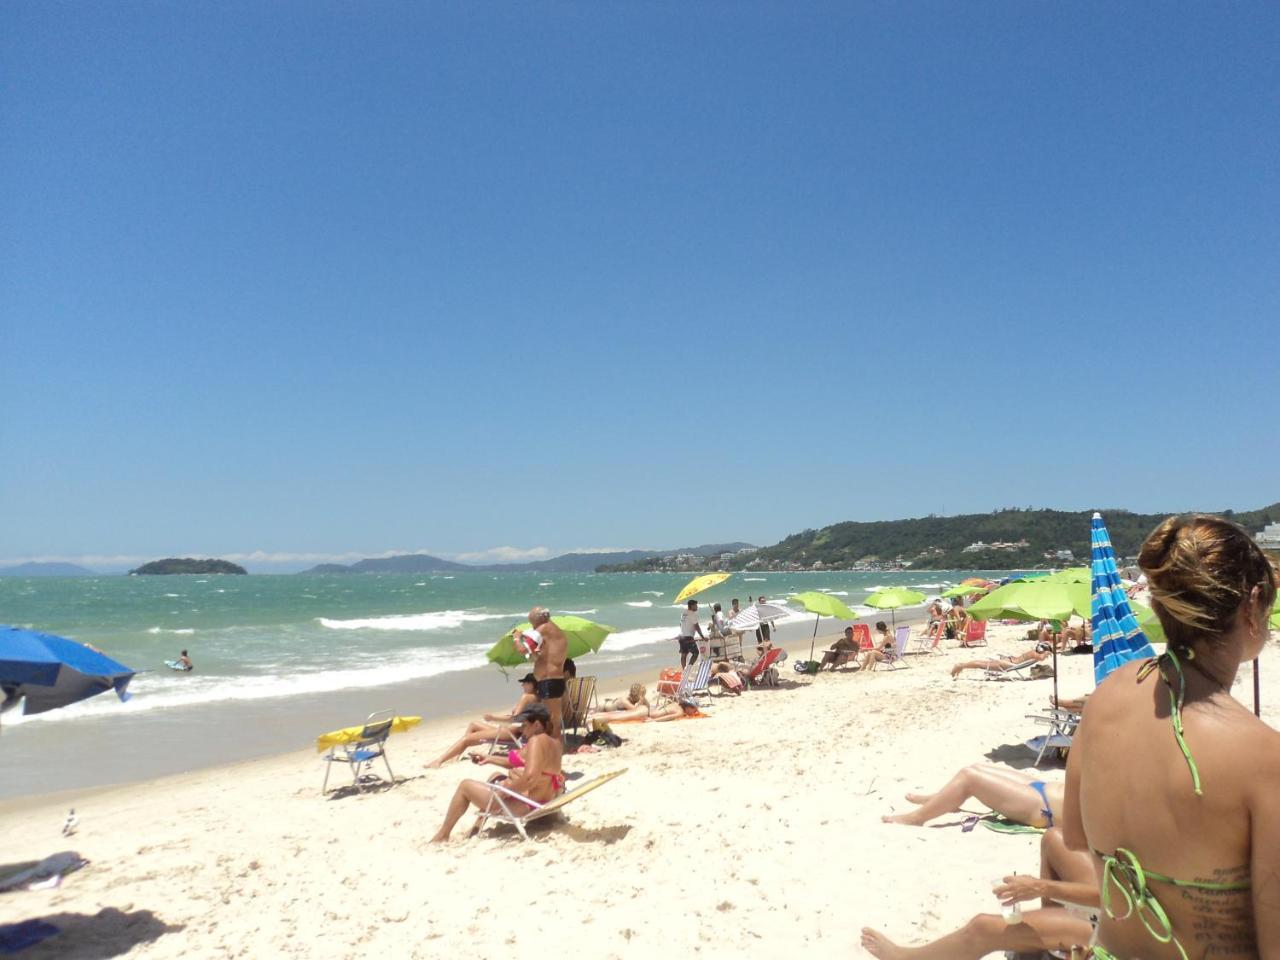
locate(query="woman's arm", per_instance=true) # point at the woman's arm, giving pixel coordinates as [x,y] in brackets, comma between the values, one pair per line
[1072,820]
[1264,858]
[1020,888]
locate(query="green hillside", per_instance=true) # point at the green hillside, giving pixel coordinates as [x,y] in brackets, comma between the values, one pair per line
[1013,538]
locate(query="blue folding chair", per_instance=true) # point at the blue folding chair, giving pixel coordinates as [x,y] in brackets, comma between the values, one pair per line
[362,752]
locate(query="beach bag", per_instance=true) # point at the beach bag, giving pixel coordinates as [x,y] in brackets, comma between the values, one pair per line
[807,666]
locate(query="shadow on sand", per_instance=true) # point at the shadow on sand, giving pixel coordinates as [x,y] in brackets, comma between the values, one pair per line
[107,933]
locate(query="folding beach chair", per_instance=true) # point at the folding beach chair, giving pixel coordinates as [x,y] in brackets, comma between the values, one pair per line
[670,680]
[897,657]
[579,698]
[930,640]
[1062,727]
[759,674]
[507,806]
[975,634]
[371,745]
[698,687]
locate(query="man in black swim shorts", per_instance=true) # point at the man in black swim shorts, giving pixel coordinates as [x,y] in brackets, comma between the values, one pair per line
[551,648]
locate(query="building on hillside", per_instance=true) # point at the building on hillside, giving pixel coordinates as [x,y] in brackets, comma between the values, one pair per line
[1269,538]
[976,547]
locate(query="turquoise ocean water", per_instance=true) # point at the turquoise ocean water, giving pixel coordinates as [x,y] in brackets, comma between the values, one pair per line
[275,653]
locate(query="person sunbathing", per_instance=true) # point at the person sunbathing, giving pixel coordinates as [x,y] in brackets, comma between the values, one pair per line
[674,711]
[1173,783]
[635,697]
[493,727]
[1067,888]
[730,678]
[882,650]
[1041,653]
[539,779]
[1012,794]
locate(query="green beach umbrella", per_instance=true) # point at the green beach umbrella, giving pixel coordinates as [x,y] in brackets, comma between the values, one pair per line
[584,637]
[824,605]
[964,590]
[1040,599]
[1275,613]
[892,598]
[1071,575]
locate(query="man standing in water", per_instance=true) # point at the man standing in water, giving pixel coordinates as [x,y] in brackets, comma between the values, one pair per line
[550,647]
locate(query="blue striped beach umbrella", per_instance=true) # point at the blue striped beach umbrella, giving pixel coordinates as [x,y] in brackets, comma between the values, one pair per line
[1117,638]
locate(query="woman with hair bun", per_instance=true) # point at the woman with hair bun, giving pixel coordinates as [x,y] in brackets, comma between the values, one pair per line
[1172,783]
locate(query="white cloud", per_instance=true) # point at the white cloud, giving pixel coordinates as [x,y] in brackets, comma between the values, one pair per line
[501,555]
[605,549]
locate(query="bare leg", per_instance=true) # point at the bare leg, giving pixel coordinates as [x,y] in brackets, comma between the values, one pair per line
[1053,929]
[477,733]
[1006,792]
[469,792]
[976,665]
[556,709]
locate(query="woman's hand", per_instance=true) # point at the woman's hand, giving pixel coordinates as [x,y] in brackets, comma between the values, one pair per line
[1017,888]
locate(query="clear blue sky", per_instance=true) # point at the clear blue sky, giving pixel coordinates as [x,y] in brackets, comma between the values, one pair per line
[326,278]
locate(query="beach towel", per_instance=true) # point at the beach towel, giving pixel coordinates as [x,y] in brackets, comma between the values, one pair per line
[696,715]
[1003,825]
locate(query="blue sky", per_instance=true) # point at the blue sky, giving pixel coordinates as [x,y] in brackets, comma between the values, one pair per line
[300,280]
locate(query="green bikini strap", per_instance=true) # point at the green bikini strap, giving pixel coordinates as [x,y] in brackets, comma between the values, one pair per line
[1175,708]
[1127,876]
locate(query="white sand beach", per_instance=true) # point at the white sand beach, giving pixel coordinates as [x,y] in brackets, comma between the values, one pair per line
[753,832]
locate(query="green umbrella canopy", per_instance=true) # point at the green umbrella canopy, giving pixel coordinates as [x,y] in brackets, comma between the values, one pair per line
[823,604]
[964,590]
[1053,600]
[584,637]
[1072,575]
[1275,613]
[893,597]
[1040,599]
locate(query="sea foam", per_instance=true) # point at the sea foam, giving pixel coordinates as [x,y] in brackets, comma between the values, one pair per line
[437,620]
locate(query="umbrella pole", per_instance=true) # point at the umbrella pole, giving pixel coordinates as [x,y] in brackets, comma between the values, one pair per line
[813,641]
[1055,674]
[1257,691]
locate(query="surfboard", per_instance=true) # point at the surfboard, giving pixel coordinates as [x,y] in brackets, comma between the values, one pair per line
[175,665]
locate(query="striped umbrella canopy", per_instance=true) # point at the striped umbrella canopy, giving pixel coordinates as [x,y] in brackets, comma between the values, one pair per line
[1117,638]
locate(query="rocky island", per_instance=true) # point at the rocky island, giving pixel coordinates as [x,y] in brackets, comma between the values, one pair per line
[186,565]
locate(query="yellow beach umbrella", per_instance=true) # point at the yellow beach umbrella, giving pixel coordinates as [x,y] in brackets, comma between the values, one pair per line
[336,738]
[698,584]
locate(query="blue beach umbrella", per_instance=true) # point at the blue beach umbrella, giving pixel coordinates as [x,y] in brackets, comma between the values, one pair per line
[51,672]
[1117,638]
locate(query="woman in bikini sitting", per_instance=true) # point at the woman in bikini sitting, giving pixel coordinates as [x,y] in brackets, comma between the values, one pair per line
[1012,794]
[1172,783]
[493,727]
[881,650]
[539,778]
[1041,653]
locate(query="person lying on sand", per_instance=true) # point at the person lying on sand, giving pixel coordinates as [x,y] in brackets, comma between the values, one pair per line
[730,678]
[674,711]
[540,778]
[495,727]
[1066,879]
[882,651]
[646,712]
[1012,794]
[1041,653]
[635,697]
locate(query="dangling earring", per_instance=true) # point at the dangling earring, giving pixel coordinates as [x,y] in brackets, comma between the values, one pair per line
[1191,654]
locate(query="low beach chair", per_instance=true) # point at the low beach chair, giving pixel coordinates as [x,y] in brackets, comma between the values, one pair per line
[898,656]
[669,682]
[505,805]
[930,639]
[1062,727]
[758,675]
[694,681]
[361,753]
[699,686]
[579,699]
[975,634]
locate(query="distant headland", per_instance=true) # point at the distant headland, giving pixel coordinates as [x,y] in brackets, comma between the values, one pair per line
[186,565]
